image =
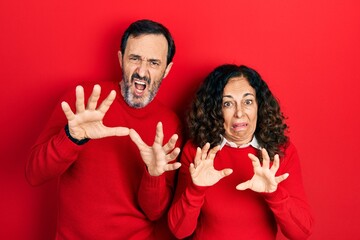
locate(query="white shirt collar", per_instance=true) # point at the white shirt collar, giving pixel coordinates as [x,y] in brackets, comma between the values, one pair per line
[253,143]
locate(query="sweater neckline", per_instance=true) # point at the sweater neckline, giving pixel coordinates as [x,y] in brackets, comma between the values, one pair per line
[150,108]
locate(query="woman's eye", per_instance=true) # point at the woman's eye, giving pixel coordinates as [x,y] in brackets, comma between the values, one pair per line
[227,104]
[248,102]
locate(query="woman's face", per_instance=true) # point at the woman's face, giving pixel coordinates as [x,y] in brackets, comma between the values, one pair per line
[239,108]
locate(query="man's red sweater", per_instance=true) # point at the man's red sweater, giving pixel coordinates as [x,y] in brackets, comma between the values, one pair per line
[105,191]
[222,212]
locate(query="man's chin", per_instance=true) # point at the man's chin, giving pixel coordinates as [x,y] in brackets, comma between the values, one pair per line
[137,103]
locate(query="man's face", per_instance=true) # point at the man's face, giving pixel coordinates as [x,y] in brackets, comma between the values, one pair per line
[144,66]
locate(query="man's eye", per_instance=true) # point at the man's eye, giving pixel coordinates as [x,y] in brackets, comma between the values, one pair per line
[154,63]
[134,59]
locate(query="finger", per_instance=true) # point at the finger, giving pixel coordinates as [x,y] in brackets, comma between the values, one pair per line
[135,137]
[193,172]
[94,97]
[159,137]
[117,131]
[276,164]
[281,178]
[212,153]
[243,186]
[173,155]
[67,111]
[192,169]
[80,107]
[255,160]
[105,105]
[204,151]
[172,167]
[171,143]
[226,172]
[197,159]
[265,158]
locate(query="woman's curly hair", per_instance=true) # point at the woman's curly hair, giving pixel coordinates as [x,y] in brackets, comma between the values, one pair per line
[205,118]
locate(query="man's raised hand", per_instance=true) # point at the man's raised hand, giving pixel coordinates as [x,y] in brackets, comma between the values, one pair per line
[87,122]
[157,156]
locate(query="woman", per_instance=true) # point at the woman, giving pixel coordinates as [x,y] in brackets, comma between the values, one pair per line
[240,176]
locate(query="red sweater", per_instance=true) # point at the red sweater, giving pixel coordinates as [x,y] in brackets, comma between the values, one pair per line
[222,212]
[105,191]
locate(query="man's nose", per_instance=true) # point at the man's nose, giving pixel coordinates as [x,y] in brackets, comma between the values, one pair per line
[142,68]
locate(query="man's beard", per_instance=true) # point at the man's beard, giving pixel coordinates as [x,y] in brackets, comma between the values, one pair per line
[133,100]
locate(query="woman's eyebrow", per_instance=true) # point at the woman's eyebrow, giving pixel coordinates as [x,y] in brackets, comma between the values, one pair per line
[249,94]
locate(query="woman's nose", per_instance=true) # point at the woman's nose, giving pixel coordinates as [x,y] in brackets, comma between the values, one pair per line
[238,112]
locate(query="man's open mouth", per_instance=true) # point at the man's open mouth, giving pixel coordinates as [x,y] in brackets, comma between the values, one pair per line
[140,85]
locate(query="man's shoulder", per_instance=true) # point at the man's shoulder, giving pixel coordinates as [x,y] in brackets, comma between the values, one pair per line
[162,108]
[105,85]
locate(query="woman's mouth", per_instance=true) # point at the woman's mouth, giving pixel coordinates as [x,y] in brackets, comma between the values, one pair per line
[239,126]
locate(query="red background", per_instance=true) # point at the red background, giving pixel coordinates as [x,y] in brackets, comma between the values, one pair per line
[307,51]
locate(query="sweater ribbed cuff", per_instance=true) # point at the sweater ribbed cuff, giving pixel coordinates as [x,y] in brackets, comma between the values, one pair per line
[278,196]
[195,190]
[154,181]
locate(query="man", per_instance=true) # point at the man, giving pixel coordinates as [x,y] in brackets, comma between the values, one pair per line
[109,187]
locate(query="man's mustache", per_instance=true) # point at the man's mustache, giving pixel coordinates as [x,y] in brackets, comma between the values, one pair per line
[136,75]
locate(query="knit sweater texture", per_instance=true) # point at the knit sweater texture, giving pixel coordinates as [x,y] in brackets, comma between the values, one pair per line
[223,212]
[104,189]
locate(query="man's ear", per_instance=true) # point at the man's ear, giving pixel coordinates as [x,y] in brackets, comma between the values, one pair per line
[120,58]
[167,70]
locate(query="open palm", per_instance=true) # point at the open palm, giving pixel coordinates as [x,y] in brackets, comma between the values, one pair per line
[264,179]
[202,171]
[87,122]
[157,156]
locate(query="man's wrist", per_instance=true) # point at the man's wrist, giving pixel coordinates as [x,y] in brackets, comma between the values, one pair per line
[74,140]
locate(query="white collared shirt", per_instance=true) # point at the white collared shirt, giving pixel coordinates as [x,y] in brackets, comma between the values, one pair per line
[253,143]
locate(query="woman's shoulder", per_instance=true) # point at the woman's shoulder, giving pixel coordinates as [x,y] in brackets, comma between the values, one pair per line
[290,157]
[189,147]
[289,147]
[189,144]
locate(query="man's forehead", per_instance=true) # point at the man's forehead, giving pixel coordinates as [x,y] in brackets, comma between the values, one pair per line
[151,46]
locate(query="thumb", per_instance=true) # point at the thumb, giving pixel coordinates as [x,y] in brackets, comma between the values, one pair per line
[226,172]
[192,168]
[121,131]
[281,178]
[116,131]
[243,186]
[135,137]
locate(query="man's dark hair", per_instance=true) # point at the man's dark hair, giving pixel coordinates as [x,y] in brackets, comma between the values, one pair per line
[144,27]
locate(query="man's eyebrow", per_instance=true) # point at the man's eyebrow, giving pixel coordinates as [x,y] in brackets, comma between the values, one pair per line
[148,60]
[153,60]
[134,55]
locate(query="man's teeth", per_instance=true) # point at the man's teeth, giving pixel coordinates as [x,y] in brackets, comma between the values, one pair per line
[140,85]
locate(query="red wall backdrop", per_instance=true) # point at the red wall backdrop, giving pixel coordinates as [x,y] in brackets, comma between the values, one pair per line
[308,51]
